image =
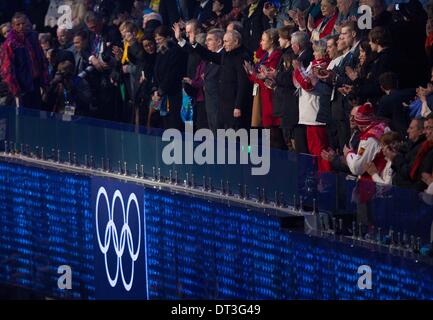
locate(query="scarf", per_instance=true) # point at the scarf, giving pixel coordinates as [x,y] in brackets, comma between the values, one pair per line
[375,130]
[252,9]
[422,152]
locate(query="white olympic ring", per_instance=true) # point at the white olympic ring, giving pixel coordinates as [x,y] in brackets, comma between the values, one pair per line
[125,235]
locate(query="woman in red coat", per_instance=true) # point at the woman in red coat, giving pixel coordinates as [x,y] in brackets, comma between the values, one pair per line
[268,58]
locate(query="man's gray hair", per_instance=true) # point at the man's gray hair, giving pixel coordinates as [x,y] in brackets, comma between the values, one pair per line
[217,33]
[301,38]
[194,23]
[236,35]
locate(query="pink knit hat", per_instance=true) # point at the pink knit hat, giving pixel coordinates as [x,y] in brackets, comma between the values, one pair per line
[365,115]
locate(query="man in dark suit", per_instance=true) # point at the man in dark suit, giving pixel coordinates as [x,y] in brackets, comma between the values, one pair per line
[234,88]
[214,43]
[102,39]
[348,44]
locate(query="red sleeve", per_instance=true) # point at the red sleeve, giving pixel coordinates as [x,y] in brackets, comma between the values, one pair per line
[303,81]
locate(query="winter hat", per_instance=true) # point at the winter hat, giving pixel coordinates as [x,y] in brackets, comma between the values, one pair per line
[364,115]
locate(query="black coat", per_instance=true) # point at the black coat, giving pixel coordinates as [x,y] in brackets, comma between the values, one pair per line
[168,73]
[211,91]
[391,108]
[305,57]
[234,86]
[425,167]
[388,60]
[253,27]
[284,100]
[169,70]
[403,161]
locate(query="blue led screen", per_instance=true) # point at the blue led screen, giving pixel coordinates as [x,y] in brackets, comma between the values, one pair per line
[45,222]
[195,249]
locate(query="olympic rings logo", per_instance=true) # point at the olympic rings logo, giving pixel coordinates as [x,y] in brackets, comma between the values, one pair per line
[111,235]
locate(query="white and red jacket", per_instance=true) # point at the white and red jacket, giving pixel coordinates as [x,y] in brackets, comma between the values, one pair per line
[368,151]
[309,101]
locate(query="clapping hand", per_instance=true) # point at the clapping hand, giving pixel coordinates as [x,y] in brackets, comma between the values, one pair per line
[249,69]
[346,151]
[328,155]
[310,23]
[352,74]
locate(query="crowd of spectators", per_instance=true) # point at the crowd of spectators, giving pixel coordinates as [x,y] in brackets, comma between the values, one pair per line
[359,100]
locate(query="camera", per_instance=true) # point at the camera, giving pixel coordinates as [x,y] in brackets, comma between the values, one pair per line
[107,55]
[83,74]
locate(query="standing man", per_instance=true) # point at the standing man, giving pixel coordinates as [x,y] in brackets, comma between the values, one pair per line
[304,55]
[214,43]
[24,67]
[234,87]
[102,40]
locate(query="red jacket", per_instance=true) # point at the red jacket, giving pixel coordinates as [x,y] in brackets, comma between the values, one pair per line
[326,29]
[265,93]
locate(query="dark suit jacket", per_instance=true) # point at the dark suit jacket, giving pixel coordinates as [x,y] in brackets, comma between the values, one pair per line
[305,57]
[284,98]
[211,82]
[388,60]
[234,86]
[169,70]
[403,162]
[391,107]
[427,167]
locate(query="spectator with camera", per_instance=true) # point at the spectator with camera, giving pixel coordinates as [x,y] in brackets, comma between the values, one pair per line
[69,93]
[81,52]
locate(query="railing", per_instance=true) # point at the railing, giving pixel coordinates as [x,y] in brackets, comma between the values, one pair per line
[292,180]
